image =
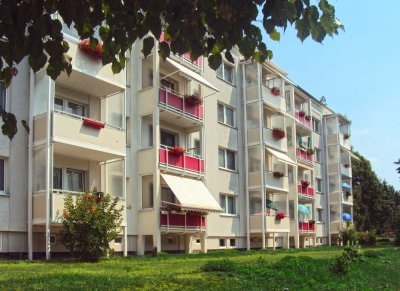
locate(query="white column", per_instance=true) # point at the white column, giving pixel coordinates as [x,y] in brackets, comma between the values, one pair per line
[203,241]
[125,210]
[273,241]
[188,248]
[30,167]
[140,245]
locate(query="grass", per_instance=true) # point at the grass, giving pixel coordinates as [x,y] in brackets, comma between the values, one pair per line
[230,270]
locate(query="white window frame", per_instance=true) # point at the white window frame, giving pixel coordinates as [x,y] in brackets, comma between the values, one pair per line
[318,155]
[230,242]
[64,177]
[5,95]
[222,240]
[4,191]
[119,238]
[222,76]
[225,167]
[224,108]
[319,124]
[320,211]
[226,197]
[316,185]
[66,101]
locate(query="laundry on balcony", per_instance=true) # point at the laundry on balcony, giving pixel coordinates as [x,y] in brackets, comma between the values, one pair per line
[271,205]
[192,194]
[347,216]
[346,185]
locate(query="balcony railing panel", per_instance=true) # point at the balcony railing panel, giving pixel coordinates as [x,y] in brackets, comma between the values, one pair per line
[183,162]
[270,140]
[175,102]
[303,120]
[307,226]
[276,101]
[306,191]
[189,221]
[303,156]
[276,183]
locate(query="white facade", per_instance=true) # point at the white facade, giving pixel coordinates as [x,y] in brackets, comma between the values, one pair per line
[227,172]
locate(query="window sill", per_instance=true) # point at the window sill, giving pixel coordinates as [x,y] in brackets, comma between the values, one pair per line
[5,194]
[146,209]
[146,148]
[320,222]
[229,215]
[227,170]
[227,125]
[225,81]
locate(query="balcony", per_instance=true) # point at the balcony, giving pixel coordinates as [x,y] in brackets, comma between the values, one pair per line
[344,140]
[273,142]
[301,118]
[175,103]
[274,183]
[184,162]
[306,192]
[182,222]
[81,137]
[271,223]
[302,156]
[276,101]
[307,227]
[345,170]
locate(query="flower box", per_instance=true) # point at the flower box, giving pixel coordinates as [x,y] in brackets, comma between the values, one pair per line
[308,117]
[96,52]
[275,91]
[305,183]
[93,123]
[302,113]
[177,151]
[193,100]
[278,174]
[278,133]
[280,215]
[346,136]
[310,151]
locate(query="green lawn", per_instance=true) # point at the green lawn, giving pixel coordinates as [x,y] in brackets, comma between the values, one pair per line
[254,270]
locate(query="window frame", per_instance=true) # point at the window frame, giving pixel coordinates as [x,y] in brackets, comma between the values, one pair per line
[4,190]
[318,181]
[3,95]
[151,190]
[318,122]
[222,76]
[319,215]
[176,137]
[225,204]
[225,166]
[223,245]
[224,113]
[65,184]
[66,102]
[232,240]
[318,155]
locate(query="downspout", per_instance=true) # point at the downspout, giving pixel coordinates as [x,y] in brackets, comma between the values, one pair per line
[30,166]
[48,169]
[246,157]
[327,181]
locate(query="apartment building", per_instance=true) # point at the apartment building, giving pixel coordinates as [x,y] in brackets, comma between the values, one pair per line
[241,157]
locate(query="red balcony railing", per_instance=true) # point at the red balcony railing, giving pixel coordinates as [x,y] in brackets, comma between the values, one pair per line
[306,191]
[185,162]
[189,220]
[186,56]
[302,155]
[303,120]
[174,102]
[307,226]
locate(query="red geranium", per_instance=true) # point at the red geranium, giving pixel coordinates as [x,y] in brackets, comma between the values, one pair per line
[94,52]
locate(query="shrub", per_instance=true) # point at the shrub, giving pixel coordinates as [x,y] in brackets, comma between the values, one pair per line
[90,223]
[341,265]
[367,238]
[352,252]
[371,254]
[224,265]
[348,235]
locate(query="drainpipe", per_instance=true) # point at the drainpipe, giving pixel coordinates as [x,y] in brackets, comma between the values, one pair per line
[246,157]
[48,168]
[327,180]
[30,166]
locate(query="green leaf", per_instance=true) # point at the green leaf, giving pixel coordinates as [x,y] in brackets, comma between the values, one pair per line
[9,127]
[214,61]
[148,44]
[163,50]
[229,57]
[275,35]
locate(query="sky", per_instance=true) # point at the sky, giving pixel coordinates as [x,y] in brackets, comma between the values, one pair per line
[358,71]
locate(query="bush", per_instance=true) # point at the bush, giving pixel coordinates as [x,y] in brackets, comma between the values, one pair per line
[371,254]
[224,265]
[90,223]
[341,265]
[367,238]
[352,252]
[348,235]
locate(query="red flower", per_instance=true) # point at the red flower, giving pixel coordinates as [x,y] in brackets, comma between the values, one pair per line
[96,52]
[280,215]
[275,91]
[278,133]
[177,151]
[193,100]
[305,183]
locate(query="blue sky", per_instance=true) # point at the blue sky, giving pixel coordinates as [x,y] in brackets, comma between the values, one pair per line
[359,73]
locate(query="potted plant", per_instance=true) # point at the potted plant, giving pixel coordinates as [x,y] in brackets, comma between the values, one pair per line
[275,91]
[280,215]
[310,151]
[347,165]
[278,133]
[302,113]
[177,151]
[193,100]
[305,183]
[96,52]
[308,117]
[278,174]
[348,193]
[346,136]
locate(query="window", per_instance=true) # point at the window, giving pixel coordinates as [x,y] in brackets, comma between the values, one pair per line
[225,72]
[147,192]
[57,178]
[318,155]
[319,215]
[287,99]
[290,174]
[168,196]
[3,96]
[75,180]
[232,242]
[76,108]
[226,159]
[69,106]
[171,240]
[319,185]
[2,175]
[53,240]
[198,241]
[226,115]
[147,131]
[228,204]
[197,147]
[316,124]
[168,139]
[118,240]
[222,242]
[169,84]
[59,104]
[291,209]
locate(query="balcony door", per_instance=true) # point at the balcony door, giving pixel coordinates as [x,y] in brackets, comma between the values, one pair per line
[169,139]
